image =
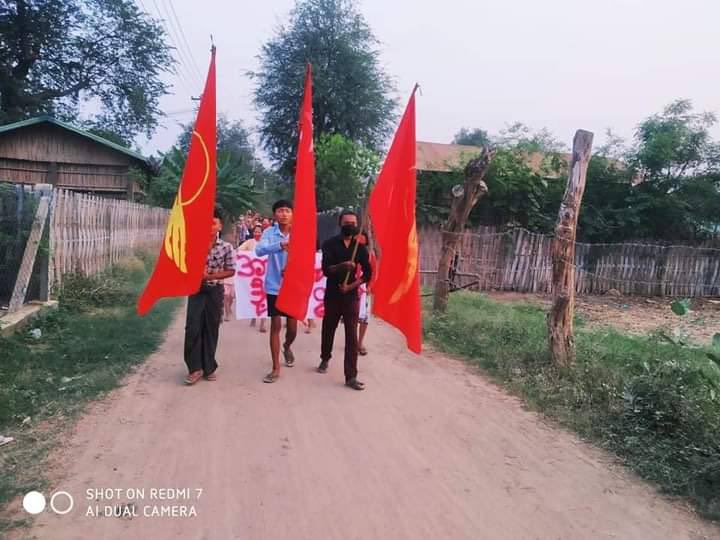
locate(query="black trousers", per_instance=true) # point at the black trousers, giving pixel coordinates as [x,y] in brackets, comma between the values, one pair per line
[202,326]
[346,307]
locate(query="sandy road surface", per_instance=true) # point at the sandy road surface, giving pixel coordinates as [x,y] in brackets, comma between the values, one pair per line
[428,451]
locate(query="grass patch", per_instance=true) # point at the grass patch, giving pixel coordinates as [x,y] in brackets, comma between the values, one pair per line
[87,346]
[654,404]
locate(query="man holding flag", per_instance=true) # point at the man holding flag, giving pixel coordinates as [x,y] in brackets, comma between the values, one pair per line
[298,275]
[275,243]
[339,254]
[204,310]
[192,261]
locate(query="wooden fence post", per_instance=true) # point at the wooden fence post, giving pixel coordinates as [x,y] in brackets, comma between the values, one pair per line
[462,204]
[31,249]
[560,319]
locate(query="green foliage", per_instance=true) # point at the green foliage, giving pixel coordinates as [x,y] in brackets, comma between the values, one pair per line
[516,192]
[521,137]
[57,55]
[343,169]
[655,404]
[472,137]
[676,144]
[87,346]
[234,192]
[350,89]
[239,174]
[665,187]
[680,307]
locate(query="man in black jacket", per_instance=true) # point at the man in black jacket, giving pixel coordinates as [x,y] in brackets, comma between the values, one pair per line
[341,294]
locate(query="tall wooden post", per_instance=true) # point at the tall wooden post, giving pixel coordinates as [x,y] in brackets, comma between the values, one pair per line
[31,249]
[560,318]
[473,188]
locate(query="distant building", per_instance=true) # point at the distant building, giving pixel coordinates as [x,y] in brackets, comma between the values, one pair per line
[438,157]
[47,151]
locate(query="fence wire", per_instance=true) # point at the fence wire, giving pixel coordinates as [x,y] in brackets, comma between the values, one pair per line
[523,262]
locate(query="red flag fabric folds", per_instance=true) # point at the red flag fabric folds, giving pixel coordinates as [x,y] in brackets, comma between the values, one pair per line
[396,293]
[181,263]
[299,273]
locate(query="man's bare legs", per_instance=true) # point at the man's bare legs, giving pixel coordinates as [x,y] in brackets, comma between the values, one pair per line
[362,330]
[228,301]
[290,335]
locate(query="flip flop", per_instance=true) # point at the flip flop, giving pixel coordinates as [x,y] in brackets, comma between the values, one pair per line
[362,351]
[271,378]
[211,377]
[289,357]
[193,378]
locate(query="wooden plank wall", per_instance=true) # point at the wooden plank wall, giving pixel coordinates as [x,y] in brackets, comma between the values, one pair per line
[518,260]
[88,234]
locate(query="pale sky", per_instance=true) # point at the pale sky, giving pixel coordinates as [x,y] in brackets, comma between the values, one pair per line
[560,64]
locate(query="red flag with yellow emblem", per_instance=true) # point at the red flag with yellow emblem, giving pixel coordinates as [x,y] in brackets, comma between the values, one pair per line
[396,292]
[181,263]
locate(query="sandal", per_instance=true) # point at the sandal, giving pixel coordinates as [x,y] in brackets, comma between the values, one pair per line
[289,357]
[271,377]
[194,377]
[211,377]
[362,351]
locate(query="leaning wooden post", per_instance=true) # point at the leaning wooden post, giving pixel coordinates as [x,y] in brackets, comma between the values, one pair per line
[560,318]
[473,189]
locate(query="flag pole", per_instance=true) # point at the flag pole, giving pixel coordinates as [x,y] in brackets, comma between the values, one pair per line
[362,227]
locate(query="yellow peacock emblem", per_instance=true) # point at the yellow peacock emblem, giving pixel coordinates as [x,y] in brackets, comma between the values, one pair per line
[175,234]
[411,268]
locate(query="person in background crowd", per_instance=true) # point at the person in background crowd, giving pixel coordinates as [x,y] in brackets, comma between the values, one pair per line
[364,319]
[250,245]
[341,294]
[204,309]
[274,243]
[266,223]
[229,290]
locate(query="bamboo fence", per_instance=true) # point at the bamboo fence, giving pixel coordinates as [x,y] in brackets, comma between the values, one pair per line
[518,260]
[88,234]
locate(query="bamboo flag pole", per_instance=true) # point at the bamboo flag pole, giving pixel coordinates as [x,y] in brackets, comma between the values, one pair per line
[362,228]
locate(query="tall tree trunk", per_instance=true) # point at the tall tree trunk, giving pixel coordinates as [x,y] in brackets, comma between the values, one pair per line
[473,188]
[560,319]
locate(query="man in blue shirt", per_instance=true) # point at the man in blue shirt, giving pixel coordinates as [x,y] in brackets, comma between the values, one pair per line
[274,243]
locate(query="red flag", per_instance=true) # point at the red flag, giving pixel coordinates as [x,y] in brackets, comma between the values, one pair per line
[180,266]
[392,210]
[299,273]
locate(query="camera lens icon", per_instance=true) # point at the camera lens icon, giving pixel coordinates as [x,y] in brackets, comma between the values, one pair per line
[34,502]
[61,502]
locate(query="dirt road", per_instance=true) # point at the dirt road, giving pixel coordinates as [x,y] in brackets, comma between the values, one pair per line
[429,450]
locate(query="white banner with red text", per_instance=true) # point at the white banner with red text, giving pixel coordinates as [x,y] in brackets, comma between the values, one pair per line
[250,298]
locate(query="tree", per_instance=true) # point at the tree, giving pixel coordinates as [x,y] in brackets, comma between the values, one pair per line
[56,55]
[343,171]
[676,144]
[521,137]
[350,89]
[239,174]
[472,137]
[234,194]
[232,137]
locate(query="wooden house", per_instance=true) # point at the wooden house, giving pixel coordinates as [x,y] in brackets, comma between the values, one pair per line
[47,151]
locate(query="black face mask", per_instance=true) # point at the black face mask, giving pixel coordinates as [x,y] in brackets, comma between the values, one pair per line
[349,230]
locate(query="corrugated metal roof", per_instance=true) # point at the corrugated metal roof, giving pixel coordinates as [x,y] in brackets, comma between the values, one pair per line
[49,120]
[443,157]
[448,157]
